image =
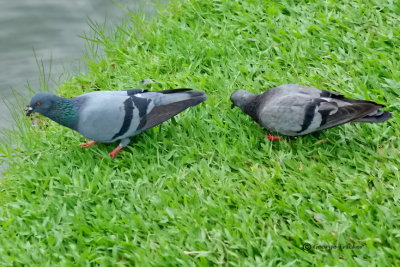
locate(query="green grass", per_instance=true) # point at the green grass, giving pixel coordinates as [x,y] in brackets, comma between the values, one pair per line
[208,181]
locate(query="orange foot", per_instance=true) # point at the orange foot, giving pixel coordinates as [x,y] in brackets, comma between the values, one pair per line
[114,153]
[272,138]
[88,144]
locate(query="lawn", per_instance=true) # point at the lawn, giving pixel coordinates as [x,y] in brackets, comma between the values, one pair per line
[207,188]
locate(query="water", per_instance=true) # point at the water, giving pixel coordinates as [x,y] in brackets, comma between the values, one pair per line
[50,29]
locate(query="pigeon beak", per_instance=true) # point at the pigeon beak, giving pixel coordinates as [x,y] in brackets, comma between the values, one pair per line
[29,111]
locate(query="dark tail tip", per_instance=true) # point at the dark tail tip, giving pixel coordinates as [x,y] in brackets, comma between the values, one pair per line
[173,91]
[197,100]
[384,116]
[200,94]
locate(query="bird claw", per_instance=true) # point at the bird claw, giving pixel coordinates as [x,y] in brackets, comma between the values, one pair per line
[114,153]
[272,138]
[87,144]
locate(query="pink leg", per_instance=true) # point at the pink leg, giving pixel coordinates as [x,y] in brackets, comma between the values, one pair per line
[88,144]
[272,138]
[114,153]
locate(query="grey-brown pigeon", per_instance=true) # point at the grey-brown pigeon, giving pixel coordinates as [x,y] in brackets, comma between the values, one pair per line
[108,116]
[294,110]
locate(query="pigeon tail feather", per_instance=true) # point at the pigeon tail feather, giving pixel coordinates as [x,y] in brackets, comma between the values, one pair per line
[373,118]
[178,96]
[174,91]
[162,113]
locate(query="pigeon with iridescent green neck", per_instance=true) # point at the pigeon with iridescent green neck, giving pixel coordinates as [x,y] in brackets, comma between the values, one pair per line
[108,116]
[294,110]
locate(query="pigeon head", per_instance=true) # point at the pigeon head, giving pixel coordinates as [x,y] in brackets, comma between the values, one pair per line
[61,110]
[41,103]
[240,98]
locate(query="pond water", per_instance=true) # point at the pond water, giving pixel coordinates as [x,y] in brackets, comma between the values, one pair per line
[50,30]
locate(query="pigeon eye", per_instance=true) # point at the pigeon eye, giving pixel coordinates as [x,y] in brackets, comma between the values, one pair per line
[38,103]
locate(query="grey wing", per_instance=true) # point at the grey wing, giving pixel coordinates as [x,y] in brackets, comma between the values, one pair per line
[121,93]
[291,115]
[315,114]
[334,109]
[107,117]
[302,90]
[162,113]
[166,104]
[297,110]
[345,112]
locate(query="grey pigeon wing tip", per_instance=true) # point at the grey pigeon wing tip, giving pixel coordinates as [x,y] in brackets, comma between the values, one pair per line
[163,113]
[355,101]
[173,91]
[351,113]
[386,115]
